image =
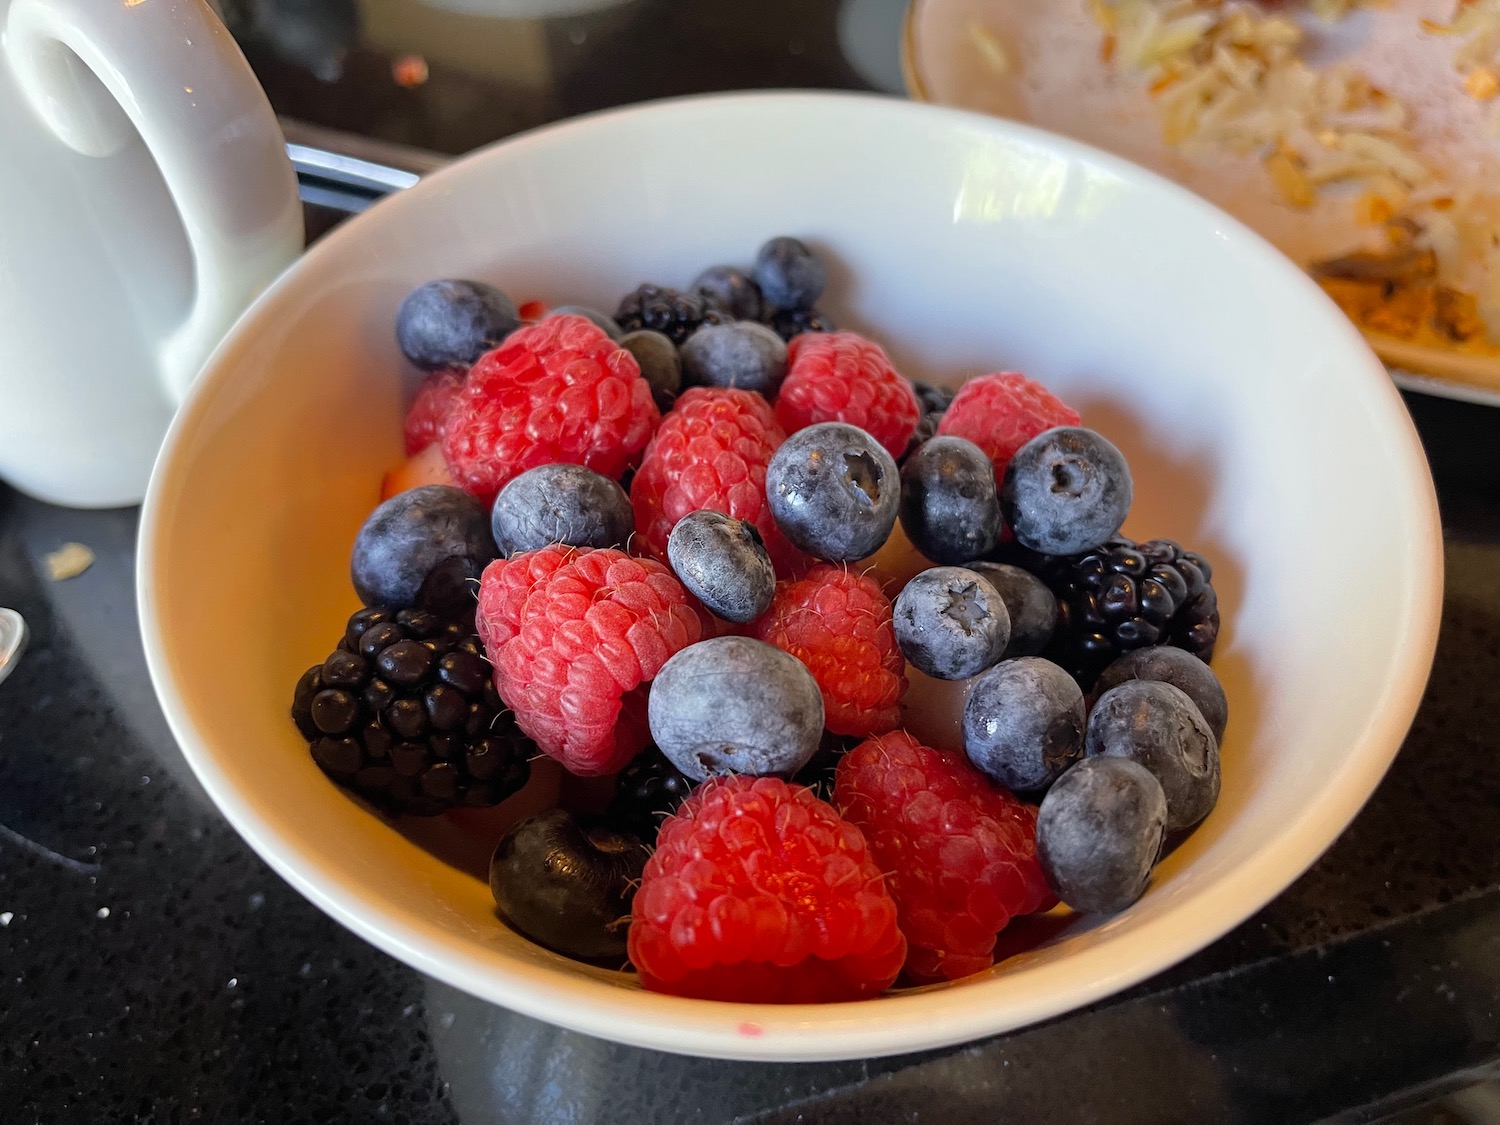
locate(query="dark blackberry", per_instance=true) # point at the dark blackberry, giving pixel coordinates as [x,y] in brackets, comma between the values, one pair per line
[794,322]
[934,400]
[674,314]
[647,791]
[818,774]
[926,430]
[1125,595]
[404,713]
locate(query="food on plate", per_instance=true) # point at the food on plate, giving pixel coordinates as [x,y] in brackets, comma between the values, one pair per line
[715,571]
[1236,79]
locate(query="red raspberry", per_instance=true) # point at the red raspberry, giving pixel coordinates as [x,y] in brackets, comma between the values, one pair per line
[429,411]
[1002,412]
[962,851]
[575,636]
[560,390]
[758,891]
[842,377]
[710,451]
[839,624]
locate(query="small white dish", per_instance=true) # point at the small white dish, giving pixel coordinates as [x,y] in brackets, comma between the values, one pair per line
[1260,427]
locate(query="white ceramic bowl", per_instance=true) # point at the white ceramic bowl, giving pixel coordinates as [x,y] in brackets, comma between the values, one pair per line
[1260,427]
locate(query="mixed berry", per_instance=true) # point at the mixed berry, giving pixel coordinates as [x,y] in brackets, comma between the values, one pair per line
[658,547]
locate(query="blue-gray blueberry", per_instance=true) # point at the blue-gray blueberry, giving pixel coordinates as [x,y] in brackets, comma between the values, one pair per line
[723,563]
[1099,832]
[950,509]
[833,491]
[423,547]
[561,503]
[735,705]
[951,623]
[1023,723]
[452,322]
[1157,725]
[1066,491]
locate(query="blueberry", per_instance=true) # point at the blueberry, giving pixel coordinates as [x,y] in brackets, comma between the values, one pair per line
[1065,491]
[660,364]
[1023,723]
[733,290]
[422,547]
[833,491]
[561,504]
[723,562]
[453,322]
[951,623]
[740,354]
[1157,725]
[1099,833]
[949,507]
[790,275]
[607,324]
[735,705]
[1032,606]
[567,887]
[1179,668]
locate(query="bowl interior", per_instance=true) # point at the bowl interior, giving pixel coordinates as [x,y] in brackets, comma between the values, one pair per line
[1261,431]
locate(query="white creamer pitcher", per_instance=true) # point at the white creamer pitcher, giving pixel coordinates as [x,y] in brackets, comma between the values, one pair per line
[145,199]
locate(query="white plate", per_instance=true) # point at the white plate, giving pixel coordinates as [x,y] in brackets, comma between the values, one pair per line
[1057,82]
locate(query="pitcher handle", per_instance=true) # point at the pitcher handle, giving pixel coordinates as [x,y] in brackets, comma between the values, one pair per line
[100,71]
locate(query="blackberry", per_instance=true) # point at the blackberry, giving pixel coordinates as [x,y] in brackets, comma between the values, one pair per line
[647,791]
[1125,595]
[926,430]
[674,314]
[404,713]
[818,774]
[794,322]
[934,400]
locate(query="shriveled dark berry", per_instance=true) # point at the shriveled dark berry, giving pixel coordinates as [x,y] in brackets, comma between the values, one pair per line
[647,791]
[417,727]
[793,322]
[732,289]
[566,885]
[674,314]
[934,399]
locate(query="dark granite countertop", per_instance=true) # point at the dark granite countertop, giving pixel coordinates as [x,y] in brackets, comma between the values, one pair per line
[153,969]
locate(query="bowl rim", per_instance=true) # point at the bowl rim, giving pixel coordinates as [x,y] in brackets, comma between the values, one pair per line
[893,1024]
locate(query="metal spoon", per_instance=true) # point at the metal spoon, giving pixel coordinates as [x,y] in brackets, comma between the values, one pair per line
[12,641]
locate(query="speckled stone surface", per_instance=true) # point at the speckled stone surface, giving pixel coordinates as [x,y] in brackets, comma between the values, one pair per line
[153,969]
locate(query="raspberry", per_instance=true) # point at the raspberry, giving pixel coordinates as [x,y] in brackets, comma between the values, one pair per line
[1002,412]
[710,451]
[429,410]
[575,636]
[962,851]
[842,377]
[758,891]
[839,624]
[560,390]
